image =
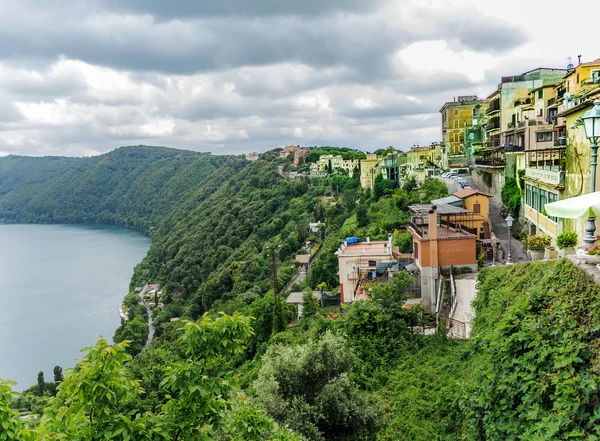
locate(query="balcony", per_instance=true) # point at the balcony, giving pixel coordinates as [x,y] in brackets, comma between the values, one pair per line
[522,102]
[494,106]
[554,177]
[514,148]
[493,123]
[490,163]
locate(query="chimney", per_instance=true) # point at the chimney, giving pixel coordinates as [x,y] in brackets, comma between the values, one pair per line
[368,239]
[433,236]
[389,243]
[578,59]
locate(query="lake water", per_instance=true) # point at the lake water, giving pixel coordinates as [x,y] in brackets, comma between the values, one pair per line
[61,287]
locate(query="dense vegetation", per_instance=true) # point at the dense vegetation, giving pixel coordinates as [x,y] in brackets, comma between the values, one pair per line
[529,372]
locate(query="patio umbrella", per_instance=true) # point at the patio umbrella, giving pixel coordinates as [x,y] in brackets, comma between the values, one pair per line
[574,208]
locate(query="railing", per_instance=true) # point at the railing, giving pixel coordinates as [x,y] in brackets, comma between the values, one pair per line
[514,148]
[493,106]
[490,162]
[561,141]
[419,230]
[492,124]
[413,291]
[453,296]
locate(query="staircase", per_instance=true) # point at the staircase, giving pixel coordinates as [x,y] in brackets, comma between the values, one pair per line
[487,234]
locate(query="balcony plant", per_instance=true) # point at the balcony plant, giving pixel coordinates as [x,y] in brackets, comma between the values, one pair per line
[566,243]
[536,245]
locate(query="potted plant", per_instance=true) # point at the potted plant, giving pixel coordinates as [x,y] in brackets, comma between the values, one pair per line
[590,254]
[566,243]
[550,253]
[536,245]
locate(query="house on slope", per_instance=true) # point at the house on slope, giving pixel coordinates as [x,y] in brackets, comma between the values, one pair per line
[368,260]
[441,239]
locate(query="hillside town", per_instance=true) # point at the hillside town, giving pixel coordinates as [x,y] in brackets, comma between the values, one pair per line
[504,157]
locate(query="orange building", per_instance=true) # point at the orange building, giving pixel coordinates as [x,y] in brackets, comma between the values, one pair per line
[478,203]
[439,242]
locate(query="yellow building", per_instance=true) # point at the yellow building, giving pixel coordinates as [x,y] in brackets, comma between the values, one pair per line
[575,95]
[457,115]
[422,160]
[369,169]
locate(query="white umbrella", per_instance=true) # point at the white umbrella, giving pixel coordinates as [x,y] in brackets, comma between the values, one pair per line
[574,208]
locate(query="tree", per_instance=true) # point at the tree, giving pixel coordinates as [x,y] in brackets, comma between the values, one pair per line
[58,375]
[309,388]
[41,383]
[362,217]
[310,304]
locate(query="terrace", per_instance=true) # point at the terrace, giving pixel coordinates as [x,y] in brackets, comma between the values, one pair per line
[453,222]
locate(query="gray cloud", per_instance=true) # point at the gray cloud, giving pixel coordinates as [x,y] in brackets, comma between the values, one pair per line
[226,76]
[255,8]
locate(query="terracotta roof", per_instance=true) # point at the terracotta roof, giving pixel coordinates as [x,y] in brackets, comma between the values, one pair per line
[469,192]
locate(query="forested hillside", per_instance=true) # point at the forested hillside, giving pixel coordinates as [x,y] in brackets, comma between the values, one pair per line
[529,371]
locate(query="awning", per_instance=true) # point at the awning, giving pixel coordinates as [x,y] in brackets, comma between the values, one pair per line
[573,208]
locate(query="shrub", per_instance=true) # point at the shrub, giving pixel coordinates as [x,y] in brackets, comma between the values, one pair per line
[566,239]
[536,242]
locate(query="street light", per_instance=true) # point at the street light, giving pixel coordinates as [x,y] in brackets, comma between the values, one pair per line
[591,124]
[509,221]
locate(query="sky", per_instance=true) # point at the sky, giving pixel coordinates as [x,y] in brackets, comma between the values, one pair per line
[83,77]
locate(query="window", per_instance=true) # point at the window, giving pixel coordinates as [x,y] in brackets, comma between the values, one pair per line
[455,112]
[528,195]
[416,249]
[476,208]
[552,197]
[543,200]
[372,263]
[456,124]
[456,137]
[544,136]
[540,94]
[577,77]
[535,201]
[596,76]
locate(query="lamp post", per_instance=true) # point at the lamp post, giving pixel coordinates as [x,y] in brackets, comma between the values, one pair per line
[509,221]
[591,124]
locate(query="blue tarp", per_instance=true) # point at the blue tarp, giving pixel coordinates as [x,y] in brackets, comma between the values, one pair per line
[352,240]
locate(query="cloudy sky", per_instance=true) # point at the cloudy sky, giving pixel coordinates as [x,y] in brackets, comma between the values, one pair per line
[82,77]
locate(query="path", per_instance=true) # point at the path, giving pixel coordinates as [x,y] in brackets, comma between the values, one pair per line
[466,292]
[300,276]
[150,324]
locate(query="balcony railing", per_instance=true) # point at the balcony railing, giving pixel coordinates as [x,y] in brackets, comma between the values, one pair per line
[492,124]
[494,106]
[556,177]
[560,141]
[514,148]
[493,163]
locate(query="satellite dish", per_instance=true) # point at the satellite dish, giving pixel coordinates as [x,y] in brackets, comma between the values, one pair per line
[567,96]
[570,66]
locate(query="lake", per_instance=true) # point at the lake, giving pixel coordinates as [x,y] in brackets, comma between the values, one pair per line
[61,287]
